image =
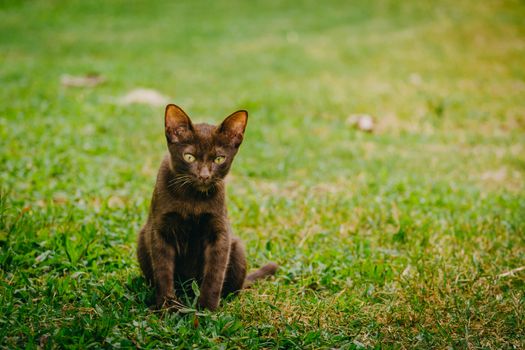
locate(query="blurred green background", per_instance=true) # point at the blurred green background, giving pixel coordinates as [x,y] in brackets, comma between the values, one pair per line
[411,235]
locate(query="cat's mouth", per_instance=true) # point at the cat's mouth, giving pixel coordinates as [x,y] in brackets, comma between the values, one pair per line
[204,186]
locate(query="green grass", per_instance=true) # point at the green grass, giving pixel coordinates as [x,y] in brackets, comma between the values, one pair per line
[400,238]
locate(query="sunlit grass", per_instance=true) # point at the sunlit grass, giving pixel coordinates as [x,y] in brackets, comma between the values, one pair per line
[404,237]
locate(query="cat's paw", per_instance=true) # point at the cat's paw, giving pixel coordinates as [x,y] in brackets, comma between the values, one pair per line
[210,303]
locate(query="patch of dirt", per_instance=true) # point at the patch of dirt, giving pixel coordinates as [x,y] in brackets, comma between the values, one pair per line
[144,96]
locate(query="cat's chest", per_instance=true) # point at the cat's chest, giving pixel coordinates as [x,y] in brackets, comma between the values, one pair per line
[188,227]
[189,236]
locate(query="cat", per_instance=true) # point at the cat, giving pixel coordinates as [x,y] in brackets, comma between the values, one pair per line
[187,235]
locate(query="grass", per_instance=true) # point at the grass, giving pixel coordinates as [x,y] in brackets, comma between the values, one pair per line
[401,238]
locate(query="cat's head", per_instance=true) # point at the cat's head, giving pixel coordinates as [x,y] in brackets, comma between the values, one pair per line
[201,154]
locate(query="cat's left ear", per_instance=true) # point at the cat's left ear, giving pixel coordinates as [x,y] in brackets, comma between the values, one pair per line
[233,127]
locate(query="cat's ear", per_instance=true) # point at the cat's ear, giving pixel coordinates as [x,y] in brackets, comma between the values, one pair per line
[233,127]
[177,124]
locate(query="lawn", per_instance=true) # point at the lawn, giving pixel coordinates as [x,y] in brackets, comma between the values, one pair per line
[411,236]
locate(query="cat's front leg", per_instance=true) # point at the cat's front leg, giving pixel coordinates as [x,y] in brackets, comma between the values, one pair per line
[216,255]
[163,264]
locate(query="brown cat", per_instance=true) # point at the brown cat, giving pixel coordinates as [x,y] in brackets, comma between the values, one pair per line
[188,234]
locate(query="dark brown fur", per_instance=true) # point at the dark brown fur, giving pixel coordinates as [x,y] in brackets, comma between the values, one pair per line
[187,234]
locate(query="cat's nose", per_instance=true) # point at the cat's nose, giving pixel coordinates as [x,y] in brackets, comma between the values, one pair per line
[204,174]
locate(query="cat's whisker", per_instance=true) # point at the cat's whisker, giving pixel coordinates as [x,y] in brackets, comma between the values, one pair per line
[180,180]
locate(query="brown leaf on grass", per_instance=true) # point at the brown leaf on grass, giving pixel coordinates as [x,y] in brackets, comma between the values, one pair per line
[195,321]
[363,122]
[88,80]
[60,198]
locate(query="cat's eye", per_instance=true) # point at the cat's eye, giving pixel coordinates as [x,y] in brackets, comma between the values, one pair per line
[219,159]
[190,158]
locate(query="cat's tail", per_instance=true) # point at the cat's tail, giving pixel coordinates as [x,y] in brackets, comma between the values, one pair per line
[263,272]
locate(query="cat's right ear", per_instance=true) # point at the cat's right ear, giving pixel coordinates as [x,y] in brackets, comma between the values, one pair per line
[177,124]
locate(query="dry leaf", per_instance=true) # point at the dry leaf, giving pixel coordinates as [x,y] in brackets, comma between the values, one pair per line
[88,80]
[363,122]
